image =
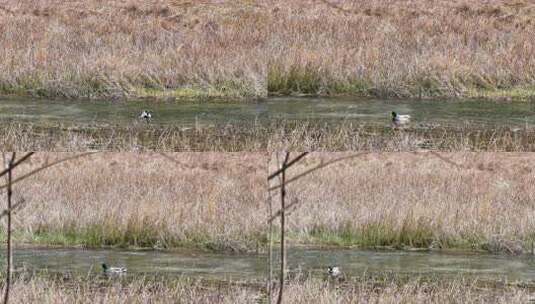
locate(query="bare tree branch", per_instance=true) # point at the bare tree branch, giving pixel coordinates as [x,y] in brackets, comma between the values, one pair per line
[18,162]
[320,166]
[283,221]
[9,252]
[47,166]
[293,161]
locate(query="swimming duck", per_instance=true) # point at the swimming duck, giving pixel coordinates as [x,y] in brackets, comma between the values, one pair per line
[147,115]
[400,119]
[107,269]
[334,272]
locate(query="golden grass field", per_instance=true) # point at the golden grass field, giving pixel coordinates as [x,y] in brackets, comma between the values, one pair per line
[469,201]
[212,200]
[403,48]
[87,49]
[174,49]
[475,201]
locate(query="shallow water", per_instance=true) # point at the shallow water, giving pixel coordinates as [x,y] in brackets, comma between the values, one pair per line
[476,113]
[353,262]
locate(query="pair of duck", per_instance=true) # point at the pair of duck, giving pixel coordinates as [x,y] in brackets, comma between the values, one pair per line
[333,271]
[397,119]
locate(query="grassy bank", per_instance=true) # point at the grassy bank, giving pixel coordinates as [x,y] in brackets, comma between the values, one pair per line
[398,49]
[172,49]
[162,49]
[217,201]
[45,290]
[272,136]
[208,200]
[407,200]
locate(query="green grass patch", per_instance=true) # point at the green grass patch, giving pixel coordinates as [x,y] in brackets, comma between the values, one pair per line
[137,234]
[413,234]
[517,93]
[374,234]
[181,92]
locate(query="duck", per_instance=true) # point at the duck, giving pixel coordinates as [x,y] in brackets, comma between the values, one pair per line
[147,115]
[107,269]
[399,120]
[334,272]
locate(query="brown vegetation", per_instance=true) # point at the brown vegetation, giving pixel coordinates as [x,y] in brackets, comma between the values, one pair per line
[145,200]
[402,49]
[481,201]
[308,291]
[474,201]
[88,49]
[84,49]
[273,136]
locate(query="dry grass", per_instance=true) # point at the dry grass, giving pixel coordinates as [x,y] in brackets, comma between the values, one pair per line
[82,49]
[403,48]
[217,201]
[209,200]
[273,136]
[40,290]
[456,291]
[417,200]
[309,291]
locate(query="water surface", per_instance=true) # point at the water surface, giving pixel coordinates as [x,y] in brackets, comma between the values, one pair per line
[475,113]
[353,262]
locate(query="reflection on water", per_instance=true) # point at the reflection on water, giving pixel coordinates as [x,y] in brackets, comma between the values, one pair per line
[477,113]
[353,262]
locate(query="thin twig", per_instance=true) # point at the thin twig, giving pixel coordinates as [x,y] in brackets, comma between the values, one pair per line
[323,165]
[283,220]
[47,166]
[9,252]
[293,161]
[270,248]
[18,162]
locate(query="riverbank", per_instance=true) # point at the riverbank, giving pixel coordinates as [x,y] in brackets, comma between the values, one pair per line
[404,200]
[170,50]
[394,49]
[217,201]
[150,200]
[79,290]
[273,136]
[162,50]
